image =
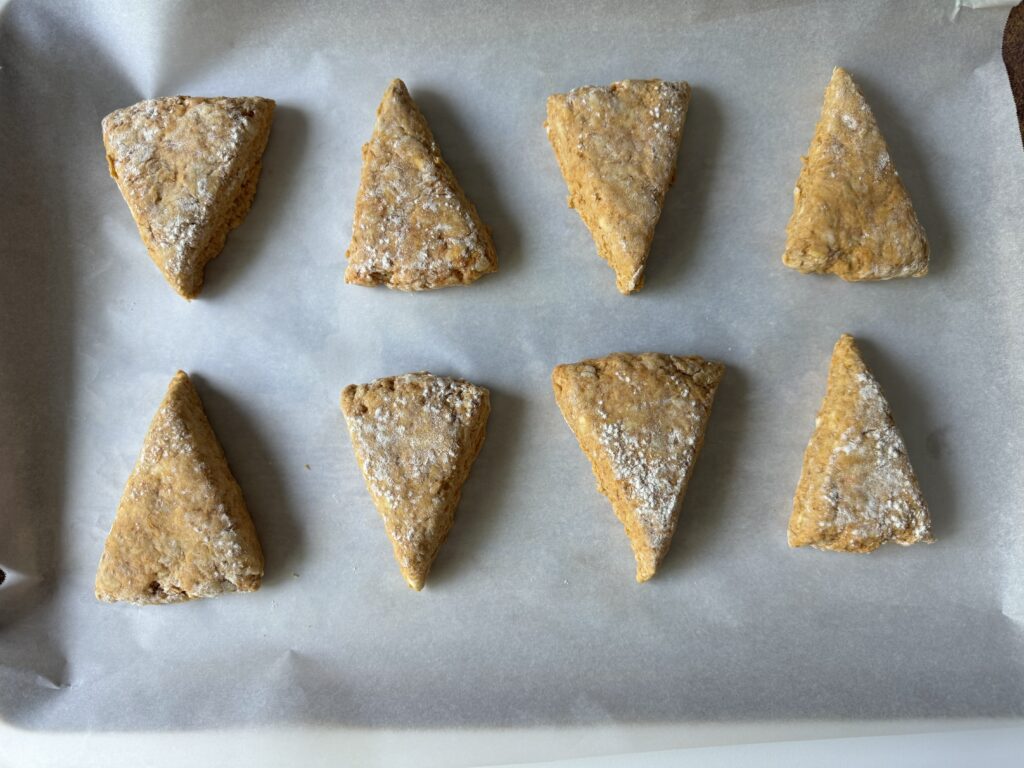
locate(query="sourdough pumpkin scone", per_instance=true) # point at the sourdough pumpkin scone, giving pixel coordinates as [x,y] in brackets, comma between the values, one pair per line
[182,530]
[415,438]
[188,168]
[640,419]
[852,216]
[857,489]
[414,228]
[617,148]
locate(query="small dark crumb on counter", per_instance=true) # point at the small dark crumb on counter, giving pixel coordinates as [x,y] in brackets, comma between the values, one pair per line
[307,466]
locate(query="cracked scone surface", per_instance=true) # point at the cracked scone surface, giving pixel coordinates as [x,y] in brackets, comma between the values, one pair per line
[857,489]
[188,169]
[415,438]
[640,419]
[617,147]
[182,530]
[852,216]
[414,228]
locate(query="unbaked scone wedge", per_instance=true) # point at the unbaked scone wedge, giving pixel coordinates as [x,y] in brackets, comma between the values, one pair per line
[188,168]
[415,438]
[617,147]
[852,216]
[182,530]
[640,419]
[857,489]
[414,228]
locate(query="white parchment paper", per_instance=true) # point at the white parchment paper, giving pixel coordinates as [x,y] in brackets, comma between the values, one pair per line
[531,616]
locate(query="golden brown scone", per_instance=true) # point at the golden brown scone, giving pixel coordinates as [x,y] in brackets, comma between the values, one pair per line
[640,419]
[852,216]
[182,530]
[617,149]
[413,228]
[187,167]
[415,438]
[857,490]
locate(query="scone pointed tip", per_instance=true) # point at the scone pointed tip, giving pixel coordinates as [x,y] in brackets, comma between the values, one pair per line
[628,282]
[415,580]
[645,572]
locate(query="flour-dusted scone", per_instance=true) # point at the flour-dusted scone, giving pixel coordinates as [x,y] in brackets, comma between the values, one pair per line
[188,168]
[857,489]
[640,419]
[852,216]
[182,530]
[413,228]
[415,438]
[617,148]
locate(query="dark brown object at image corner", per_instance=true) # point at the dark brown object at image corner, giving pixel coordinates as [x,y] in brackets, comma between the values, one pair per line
[1013,58]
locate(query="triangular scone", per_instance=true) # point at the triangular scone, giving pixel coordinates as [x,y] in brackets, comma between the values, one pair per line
[413,227]
[852,216]
[617,148]
[857,490]
[182,529]
[415,438]
[640,419]
[187,167]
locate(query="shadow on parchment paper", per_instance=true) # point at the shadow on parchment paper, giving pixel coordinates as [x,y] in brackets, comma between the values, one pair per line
[897,125]
[927,439]
[704,507]
[677,238]
[468,162]
[289,134]
[47,180]
[479,516]
[256,468]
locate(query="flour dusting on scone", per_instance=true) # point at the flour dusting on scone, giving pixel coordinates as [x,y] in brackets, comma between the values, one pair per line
[640,419]
[182,530]
[857,489]
[852,216]
[617,148]
[188,168]
[415,438]
[414,228]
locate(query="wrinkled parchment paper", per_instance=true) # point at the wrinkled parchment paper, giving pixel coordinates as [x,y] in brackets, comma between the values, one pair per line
[531,616]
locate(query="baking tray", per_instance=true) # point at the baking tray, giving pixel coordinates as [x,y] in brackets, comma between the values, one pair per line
[531,618]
